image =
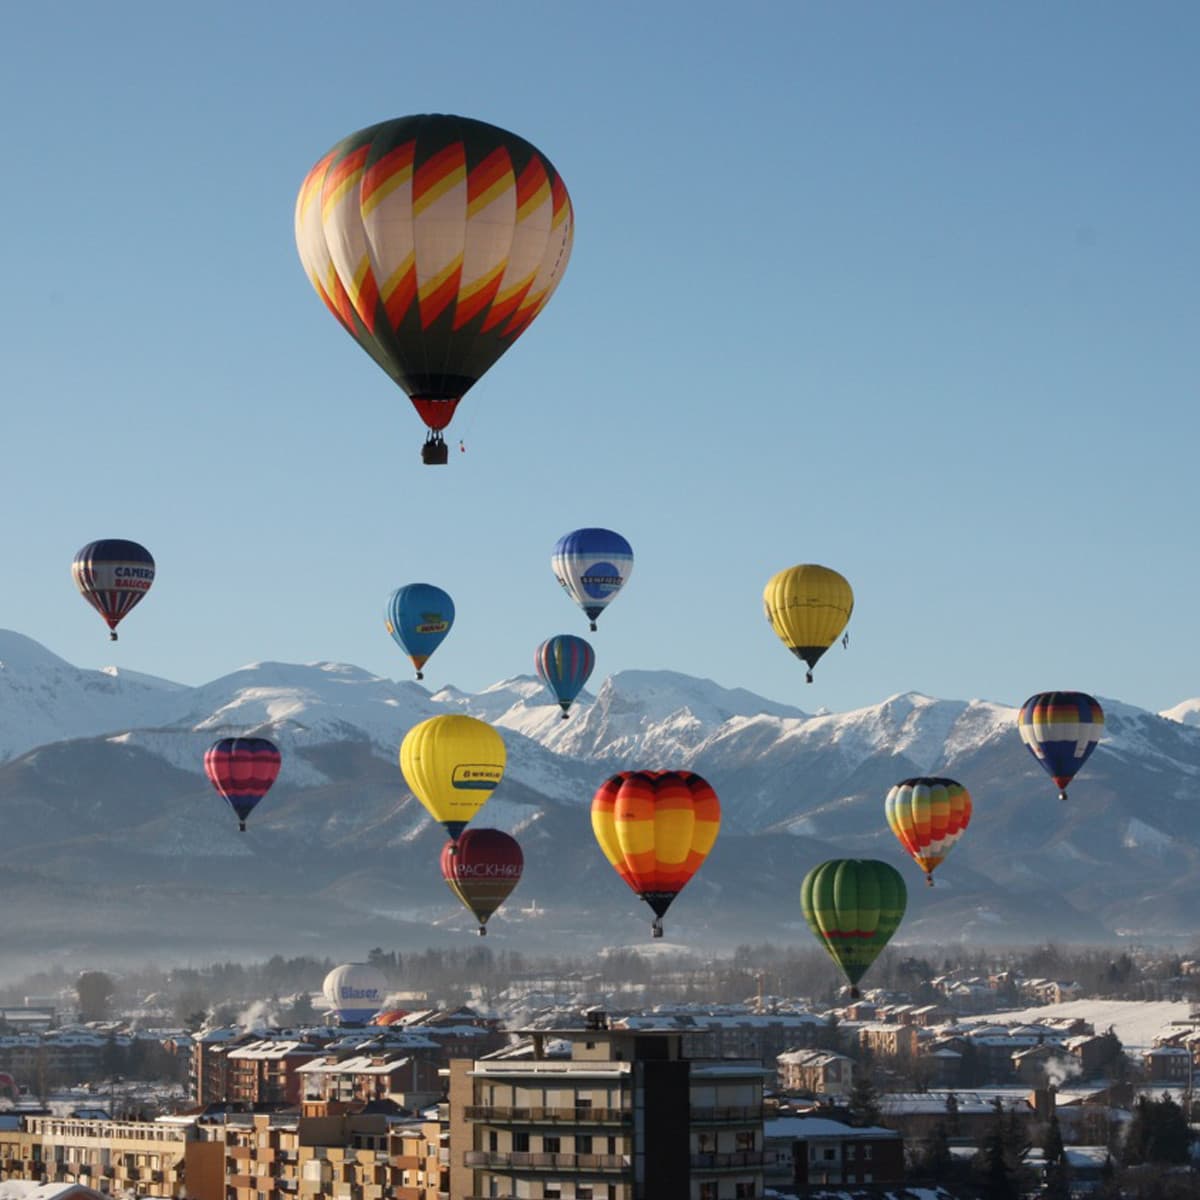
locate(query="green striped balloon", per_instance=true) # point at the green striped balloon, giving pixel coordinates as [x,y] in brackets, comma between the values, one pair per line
[853,906]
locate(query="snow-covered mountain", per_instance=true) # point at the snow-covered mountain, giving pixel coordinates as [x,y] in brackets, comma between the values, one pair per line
[114,838]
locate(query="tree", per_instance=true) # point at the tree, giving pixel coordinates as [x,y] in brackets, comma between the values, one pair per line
[1158,1133]
[864,1107]
[94,990]
[1057,1185]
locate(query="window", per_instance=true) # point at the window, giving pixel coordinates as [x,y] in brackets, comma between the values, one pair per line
[829,1154]
[551,1144]
[850,1152]
[742,1190]
[493,1140]
[552,1191]
[867,1153]
[708,1191]
[745,1141]
[583,1145]
[520,1141]
[584,1191]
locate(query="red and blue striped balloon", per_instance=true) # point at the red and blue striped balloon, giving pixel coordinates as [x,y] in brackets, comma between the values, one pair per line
[113,575]
[563,664]
[242,769]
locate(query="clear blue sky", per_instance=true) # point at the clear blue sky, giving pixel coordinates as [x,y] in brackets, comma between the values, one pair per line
[907,289]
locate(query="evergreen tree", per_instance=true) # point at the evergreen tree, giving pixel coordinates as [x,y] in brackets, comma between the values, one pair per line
[1057,1184]
[864,1107]
[1158,1133]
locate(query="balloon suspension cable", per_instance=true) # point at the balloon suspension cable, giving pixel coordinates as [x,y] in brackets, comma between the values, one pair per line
[112,635]
[657,928]
[808,677]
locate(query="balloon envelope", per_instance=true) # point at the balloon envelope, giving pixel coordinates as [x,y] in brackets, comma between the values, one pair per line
[928,815]
[808,606]
[242,770]
[563,663]
[483,870]
[592,565]
[452,763]
[1061,730]
[418,616]
[656,828]
[853,906]
[435,240]
[113,575]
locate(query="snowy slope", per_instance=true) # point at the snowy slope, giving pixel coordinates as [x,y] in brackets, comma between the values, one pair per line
[1135,1022]
[1187,712]
[45,699]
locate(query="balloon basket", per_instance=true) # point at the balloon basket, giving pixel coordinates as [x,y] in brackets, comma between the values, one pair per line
[435,452]
[112,636]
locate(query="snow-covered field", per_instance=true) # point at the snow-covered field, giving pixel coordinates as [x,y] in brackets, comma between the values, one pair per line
[1135,1022]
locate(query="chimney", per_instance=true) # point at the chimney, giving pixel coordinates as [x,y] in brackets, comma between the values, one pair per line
[1043,1102]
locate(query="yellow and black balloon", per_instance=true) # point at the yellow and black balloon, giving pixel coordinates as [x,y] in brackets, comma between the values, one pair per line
[808,606]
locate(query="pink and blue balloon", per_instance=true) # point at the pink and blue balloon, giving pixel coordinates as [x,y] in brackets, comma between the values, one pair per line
[563,663]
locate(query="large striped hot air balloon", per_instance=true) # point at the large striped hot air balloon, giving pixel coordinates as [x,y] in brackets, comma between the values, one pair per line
[853,906]
[434,240]
[928,816]
[1061,730]
[452,763]
[656,828]
[418,616]
[113,575]
[808,606]
[242,770]
[563,663]
[482,870]
[592,565]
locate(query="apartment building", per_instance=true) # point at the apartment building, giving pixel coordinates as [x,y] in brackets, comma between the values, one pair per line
[605,1114]
[816,1071]
[134,1158]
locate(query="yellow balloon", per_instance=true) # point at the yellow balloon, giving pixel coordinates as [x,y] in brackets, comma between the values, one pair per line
[452,764]
[808,607]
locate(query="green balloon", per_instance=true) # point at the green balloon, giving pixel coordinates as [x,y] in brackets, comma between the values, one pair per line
[853,906]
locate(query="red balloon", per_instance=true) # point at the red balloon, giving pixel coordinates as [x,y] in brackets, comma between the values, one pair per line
[242,770]
[482,869]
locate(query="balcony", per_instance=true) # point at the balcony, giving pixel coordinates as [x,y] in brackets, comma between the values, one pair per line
[738,1114]
[520,1160]
[737,1160]
[582,1115]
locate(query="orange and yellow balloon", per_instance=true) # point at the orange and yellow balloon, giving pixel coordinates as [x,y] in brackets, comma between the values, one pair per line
[808,607]
[928,815]
[656,828]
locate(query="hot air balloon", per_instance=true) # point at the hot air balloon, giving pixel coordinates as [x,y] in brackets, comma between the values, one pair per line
[434,240]
[1061,730]
[563,663]
[452,763]
[418,616]
[808,607]
[482,871]
[354,993]
[853,906]
[592,565]
[656,828]
[242,769]
[113,575]
[928,816]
